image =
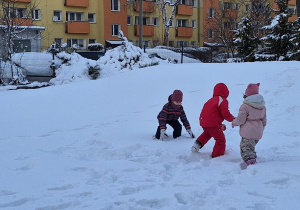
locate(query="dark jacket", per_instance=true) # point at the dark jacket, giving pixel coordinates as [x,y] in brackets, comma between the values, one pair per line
[169,113]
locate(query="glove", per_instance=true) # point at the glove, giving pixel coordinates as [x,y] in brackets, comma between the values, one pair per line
[232,125]
[163,134]
[223,127]
[191,133]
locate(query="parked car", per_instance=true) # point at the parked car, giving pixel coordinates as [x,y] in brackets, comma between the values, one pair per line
[94,55]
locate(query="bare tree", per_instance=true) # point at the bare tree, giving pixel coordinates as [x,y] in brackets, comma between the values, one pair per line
[221,20]
[13,21]
[168,19]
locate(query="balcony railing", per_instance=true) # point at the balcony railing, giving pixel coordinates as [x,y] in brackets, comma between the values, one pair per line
[22,21]
[77,3]
[148,6]
[184,10]
[148,30]
[184,32]
[77,27]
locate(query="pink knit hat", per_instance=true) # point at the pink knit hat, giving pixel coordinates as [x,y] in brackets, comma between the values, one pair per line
[252,89]
[177,95]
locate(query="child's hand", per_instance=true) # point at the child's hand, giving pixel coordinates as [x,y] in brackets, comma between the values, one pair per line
[232,125]
[223,127]
[191,133]
[163,134]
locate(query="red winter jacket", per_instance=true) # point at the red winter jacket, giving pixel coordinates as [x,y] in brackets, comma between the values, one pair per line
[215,110]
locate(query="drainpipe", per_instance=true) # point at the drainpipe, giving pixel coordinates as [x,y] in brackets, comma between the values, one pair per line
[141,25]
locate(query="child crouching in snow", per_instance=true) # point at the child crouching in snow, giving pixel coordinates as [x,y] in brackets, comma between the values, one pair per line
[170,115]
[252,121]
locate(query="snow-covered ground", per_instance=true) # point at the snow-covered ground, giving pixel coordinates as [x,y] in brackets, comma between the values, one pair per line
[88,144]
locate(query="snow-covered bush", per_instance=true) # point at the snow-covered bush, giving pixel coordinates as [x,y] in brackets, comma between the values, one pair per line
[75,68]
[125,56]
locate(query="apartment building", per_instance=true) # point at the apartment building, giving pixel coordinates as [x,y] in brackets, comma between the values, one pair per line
[84,22]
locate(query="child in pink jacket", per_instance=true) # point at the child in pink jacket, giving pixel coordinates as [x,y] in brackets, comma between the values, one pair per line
[252,121]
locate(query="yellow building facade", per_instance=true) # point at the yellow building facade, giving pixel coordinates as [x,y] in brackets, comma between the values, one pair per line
[84,22]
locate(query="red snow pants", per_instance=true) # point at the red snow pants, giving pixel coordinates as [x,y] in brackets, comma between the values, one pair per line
[218,135]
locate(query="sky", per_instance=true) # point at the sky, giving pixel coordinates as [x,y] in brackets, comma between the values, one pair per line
[88,144]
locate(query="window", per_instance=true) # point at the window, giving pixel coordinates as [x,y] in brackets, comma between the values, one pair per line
[20,13]
[193,43]
[171,23]
[79,43]
[146,20]
[193,24]
[227,5]
[144,43]
[129,20]
[115,5]
[179,43]
[182,23]
[226,25]
[211,12]
[58,42]
[57,16]
[92,41]
[74,16]
[36,14]
[155,43]
[171,43]
[115,29]
[210,34]
[155,21]
[92,17]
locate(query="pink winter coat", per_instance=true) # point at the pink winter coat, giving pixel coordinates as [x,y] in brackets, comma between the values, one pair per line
[252,117]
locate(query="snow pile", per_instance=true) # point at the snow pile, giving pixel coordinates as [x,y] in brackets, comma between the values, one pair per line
[125,57]
[68,71]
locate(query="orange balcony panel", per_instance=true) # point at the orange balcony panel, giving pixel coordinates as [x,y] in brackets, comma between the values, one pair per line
[184,9]
[78,27]
[147,30]
[230,13]
[22,21]
[184,32]
[148,6]
[25,1]
[77,3]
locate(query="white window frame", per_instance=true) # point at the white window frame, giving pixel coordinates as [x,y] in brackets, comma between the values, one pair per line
[129,20]
[115,5]
[93,18]
[57,16]
[36,14]
[80,42]
[155,21]
[193,23]
[20,13]
[171,23]
[182,22]
[210,34]
[211,12]
[115,27]
[75,16]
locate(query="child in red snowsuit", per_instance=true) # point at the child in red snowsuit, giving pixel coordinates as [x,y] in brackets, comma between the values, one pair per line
[214,111]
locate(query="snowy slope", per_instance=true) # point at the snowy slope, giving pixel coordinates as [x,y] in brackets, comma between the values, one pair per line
[88,145]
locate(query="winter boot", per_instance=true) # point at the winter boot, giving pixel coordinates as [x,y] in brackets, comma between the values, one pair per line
[197,145]
[251,161]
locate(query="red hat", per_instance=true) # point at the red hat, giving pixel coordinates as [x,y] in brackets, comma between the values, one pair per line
[177,95]
[252,89]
